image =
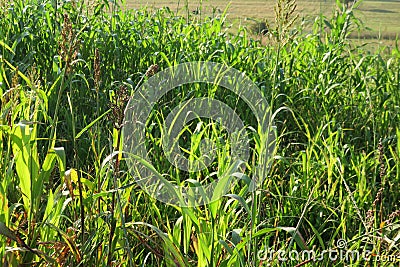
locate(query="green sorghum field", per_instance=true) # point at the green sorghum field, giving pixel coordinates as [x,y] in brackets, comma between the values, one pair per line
[68,197]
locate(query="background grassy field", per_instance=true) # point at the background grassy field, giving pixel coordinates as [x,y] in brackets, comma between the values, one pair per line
[69,198]
[380,18]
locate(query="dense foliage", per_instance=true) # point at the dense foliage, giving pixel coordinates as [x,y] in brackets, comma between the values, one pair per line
[66,72]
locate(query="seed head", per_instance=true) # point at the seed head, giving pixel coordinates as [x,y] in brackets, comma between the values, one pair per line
[392,216]
[117,106]
[153,69]
[69,45]
[382,171]
[96,67]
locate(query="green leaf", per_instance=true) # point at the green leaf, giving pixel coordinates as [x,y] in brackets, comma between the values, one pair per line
[91,124]
[26,161]
[226,246]
[169,245]
[296,235]
[26,79]
[7,47]
[241,201]
[5,231]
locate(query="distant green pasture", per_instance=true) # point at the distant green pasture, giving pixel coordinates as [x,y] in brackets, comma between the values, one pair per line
[381,18]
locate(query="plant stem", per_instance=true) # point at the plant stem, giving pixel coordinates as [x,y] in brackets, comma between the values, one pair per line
[115,177]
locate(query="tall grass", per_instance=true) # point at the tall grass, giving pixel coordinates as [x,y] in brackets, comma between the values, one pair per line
[66,196]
